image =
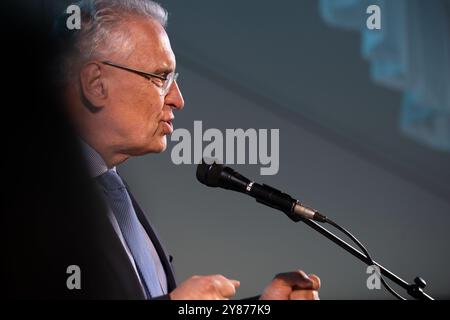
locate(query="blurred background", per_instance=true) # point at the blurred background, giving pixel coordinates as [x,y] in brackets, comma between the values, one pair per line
[364,119]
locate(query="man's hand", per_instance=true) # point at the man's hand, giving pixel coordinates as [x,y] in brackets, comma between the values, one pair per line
[215,287]
[292,286]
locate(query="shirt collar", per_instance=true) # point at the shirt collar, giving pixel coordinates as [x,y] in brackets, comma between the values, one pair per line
[96,164]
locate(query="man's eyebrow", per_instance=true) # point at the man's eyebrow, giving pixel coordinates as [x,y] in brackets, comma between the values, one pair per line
[164,70]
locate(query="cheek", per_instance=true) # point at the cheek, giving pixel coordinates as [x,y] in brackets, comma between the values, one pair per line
[152,110]
[136,110]
[149,116]
[140,110]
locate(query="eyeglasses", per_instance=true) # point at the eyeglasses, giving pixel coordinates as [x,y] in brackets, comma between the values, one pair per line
[162,82]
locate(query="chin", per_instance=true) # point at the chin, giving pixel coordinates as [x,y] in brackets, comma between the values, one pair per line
[145,147]
[158,146]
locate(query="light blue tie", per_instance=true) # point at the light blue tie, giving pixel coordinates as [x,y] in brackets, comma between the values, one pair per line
[132,231]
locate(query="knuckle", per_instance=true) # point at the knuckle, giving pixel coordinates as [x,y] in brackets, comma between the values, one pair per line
[219,277]
[316,280]
[302,274]
[280,275]
[214,283]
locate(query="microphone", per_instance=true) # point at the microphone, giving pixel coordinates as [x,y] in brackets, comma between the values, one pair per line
[216,175]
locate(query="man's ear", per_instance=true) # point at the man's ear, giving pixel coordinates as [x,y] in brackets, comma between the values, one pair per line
[92,85]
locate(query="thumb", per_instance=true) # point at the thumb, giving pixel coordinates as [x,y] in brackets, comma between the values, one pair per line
[315,280]
[235,283]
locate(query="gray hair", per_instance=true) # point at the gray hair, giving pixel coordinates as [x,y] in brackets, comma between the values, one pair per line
[101,31]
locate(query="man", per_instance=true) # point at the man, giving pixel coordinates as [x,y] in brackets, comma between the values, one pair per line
[121,92]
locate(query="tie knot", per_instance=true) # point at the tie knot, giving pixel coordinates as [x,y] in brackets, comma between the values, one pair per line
[111,181]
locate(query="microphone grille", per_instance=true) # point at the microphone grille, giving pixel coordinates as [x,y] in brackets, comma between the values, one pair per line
[209,174]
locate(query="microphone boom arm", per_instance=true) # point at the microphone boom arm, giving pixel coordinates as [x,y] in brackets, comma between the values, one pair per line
[415,290]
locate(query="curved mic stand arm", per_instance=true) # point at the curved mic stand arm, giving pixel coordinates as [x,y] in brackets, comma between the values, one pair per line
[414,290]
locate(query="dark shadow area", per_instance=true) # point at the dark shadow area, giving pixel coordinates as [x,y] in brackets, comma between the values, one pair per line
[51,215]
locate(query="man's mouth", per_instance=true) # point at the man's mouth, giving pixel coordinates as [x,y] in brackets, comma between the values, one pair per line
[168,126]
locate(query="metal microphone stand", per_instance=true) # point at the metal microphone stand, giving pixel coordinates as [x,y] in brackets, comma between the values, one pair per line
[414,290]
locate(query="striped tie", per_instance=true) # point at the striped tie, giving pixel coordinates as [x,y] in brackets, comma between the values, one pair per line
[132,231]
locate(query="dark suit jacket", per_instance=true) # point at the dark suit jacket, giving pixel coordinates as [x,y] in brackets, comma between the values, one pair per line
[165,258]
[54,217]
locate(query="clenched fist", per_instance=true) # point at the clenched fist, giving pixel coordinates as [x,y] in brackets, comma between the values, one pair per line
[293,286]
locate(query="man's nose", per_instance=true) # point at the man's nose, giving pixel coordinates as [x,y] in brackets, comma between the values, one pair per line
[174,98]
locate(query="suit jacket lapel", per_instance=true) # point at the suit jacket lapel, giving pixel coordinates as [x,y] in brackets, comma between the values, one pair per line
[166,260]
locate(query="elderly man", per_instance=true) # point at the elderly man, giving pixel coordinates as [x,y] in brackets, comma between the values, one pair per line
[121,93]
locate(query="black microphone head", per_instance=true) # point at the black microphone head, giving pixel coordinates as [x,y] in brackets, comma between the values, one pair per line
[209,174]
[216,175]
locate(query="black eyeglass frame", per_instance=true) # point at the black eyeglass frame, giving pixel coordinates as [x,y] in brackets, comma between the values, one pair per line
[171,77]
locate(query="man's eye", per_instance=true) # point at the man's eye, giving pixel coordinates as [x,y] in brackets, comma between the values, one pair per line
[158,82]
